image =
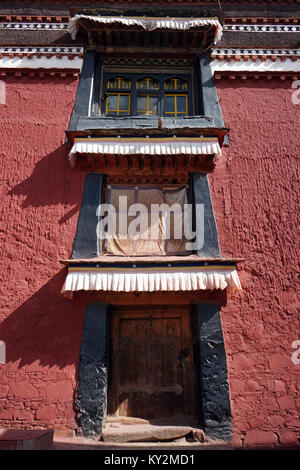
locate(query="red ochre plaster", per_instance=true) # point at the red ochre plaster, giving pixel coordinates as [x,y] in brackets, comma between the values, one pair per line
[254,192]
[256,202]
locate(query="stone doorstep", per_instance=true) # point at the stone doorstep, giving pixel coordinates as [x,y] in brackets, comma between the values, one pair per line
[120,433]
[26,439]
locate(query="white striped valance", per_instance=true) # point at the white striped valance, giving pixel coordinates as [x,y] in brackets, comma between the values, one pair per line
[149,24]
[145,146]
[150,280]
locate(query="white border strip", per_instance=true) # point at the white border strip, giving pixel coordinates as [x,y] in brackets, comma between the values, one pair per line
[41,63]
[35,26]
[262,28]
[258,52]
[256,66]
[41,50]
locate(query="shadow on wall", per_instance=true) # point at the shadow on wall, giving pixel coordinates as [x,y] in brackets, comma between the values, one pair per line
[52,182]
[46,328]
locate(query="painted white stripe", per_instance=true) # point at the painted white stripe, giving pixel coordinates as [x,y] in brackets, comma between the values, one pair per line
[217,66]
[41,63]
[263,28]
[255,66]
[253,51]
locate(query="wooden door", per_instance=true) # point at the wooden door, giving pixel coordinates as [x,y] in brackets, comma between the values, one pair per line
[151,364]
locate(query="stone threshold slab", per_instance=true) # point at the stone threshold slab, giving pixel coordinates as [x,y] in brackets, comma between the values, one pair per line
[120,433]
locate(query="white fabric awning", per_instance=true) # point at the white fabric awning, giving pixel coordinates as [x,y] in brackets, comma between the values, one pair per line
[139,147]
[150,24]
[150,280]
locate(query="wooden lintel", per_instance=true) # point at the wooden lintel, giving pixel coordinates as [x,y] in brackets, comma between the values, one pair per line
[137,40]
[185,40]
[156,41]
[166,39]
[117,38]
[194,39]
[108,37]
[127,38]
[175,40]
[147,40]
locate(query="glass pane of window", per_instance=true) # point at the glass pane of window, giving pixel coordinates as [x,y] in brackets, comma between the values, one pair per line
[181,104]
[119,83]
[117,103]
[169,104]
[181,84]
[124,84]
[168,85]
[147,83]
[142,104]
[153,101]
[175,84]
[124,103]
[112,102]
[147,104]
[141,84]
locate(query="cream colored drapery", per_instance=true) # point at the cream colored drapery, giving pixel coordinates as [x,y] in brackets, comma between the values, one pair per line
[146,221]
[151,279]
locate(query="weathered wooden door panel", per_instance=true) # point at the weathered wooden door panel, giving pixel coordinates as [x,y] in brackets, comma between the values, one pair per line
[151,376]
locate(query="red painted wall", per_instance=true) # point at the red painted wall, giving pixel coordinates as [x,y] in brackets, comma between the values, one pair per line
[256,201]
[254,191]
[40,199]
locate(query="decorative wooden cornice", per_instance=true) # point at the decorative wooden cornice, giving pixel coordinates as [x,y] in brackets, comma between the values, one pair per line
[247,75]
[229,21]
[40,51]
[41,73]
[255,64]
[260,20]
[33,19]
[34,25]
[254,54]
[248,24]
[263,28]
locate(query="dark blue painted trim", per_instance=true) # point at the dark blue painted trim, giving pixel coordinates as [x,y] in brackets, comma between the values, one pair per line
[216,411]
[210,101]
[86,243]
[83,100]
[91,397]
[201,194]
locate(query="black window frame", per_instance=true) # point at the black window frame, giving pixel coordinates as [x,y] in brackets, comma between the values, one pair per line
[134,92]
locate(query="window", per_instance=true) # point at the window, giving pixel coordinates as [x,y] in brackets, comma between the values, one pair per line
[146,220]
[149,95]
[118,98]
[176,98]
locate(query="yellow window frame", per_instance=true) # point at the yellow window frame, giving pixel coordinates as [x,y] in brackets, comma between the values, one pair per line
[118,111]
[120,79]
[175,112]
[176,81]
[147,110]
[147,80]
